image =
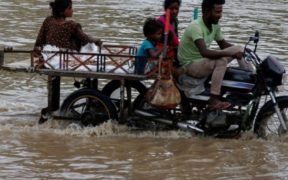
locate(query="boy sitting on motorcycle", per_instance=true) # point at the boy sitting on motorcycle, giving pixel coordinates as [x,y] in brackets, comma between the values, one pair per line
[199,60]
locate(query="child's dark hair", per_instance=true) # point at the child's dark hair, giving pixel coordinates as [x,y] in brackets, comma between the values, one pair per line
[209,4]
[59,6]
[151,26]
[167,3]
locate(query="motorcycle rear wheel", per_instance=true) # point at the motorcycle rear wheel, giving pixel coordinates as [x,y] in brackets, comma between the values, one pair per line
[143,122]
[112,90]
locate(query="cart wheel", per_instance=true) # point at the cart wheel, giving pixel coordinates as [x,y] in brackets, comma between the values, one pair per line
[88,106]
[112,90]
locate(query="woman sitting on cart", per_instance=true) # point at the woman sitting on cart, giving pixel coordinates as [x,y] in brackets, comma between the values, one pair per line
[62,33]
[58,31]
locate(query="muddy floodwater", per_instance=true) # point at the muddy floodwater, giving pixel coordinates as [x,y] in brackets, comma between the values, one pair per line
[56,150]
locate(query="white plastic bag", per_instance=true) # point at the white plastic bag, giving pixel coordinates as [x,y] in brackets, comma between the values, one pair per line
[54,60]
[47,56]
[89,48]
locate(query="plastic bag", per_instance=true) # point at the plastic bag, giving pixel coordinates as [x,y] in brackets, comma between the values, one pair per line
[52,60]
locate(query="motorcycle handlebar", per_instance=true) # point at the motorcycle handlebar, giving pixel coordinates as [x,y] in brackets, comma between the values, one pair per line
[255,38]
[251,54]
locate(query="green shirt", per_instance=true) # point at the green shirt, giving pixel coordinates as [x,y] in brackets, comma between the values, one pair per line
[188,51]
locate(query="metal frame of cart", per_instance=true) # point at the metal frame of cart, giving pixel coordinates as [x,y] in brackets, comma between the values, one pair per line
[116,56]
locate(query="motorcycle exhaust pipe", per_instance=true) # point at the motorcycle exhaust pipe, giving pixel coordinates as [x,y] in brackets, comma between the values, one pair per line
[189,127]
[181,125]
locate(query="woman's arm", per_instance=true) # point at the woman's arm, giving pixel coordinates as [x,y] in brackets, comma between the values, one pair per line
[84,38]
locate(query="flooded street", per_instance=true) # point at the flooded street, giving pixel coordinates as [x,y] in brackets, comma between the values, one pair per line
[56,150]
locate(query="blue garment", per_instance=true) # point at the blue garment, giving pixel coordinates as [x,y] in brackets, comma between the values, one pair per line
[142,55]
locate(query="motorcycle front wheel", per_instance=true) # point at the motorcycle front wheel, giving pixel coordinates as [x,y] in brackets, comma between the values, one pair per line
[88,106]
[267,124]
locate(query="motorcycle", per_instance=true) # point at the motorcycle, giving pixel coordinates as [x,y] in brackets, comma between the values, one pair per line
[256,104]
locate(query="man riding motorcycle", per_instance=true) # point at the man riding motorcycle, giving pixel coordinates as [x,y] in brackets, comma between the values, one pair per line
[199,61]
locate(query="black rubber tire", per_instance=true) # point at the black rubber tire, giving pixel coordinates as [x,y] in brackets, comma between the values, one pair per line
[185,105]
[99,110]
[146,123]
[110,87]
[138,102]
[268,111]
[113,85]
